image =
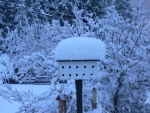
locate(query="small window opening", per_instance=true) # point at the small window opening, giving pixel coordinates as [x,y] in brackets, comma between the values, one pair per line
[63,67]
[76,74]
[83,74]
[84,66]
[92,66]
[91,74]
[70,75]
[69,66]
[76,66]
[63,75]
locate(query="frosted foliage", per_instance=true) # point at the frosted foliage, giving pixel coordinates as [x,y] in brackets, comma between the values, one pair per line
[43,37]
[97,110]
[126,66]
[127,58]
[6,68]
[35,38]
[37,64]
[80,48]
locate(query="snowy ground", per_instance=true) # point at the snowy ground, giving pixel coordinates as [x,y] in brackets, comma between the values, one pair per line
[7,107]
[148,100]
[37,89]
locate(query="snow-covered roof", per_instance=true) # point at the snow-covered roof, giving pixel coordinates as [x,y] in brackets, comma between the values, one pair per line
[62,97]
[80,48]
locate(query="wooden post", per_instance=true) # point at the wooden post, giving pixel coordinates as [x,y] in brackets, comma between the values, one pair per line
[79,96]
[62,103]
[94,100]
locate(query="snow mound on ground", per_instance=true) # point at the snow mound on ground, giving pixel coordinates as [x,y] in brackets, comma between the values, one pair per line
[4,60]
[6,67]
[98,110]
[148,99]
[80,48]
[2,68]
[13,105]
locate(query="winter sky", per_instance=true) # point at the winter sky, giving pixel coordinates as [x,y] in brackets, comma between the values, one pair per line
[145,5]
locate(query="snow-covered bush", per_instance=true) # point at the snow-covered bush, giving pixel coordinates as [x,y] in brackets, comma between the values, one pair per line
[6,69]
[35,65]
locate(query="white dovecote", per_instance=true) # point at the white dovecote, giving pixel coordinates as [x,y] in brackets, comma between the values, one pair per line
[79,58]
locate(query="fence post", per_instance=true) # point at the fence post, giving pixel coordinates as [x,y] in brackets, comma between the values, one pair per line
[94,98]
[62,103]
[79,96]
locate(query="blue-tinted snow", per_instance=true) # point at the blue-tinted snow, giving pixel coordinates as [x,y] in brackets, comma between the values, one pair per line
[80,48]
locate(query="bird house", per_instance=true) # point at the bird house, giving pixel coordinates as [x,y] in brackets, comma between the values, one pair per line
[62,103]
[79,58]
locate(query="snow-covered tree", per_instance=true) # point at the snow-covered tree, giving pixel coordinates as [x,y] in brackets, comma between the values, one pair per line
[123,8]
[126,60]
[1,42]
[32,49]
[37,37]
[8,12]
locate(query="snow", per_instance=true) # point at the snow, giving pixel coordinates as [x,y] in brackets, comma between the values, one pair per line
[98,110]
[6,67]
[2,68]
[3,59]
[37,89]
[14,106]
[80,48]
[148,99]
[63,97]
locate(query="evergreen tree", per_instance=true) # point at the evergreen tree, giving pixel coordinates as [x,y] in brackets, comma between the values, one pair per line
[123,8]
[8,12]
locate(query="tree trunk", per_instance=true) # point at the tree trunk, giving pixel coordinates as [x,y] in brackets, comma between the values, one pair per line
[116,96]
[116,99]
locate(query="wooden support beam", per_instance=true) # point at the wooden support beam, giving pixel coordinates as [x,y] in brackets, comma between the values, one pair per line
[94,98]
[79,96]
